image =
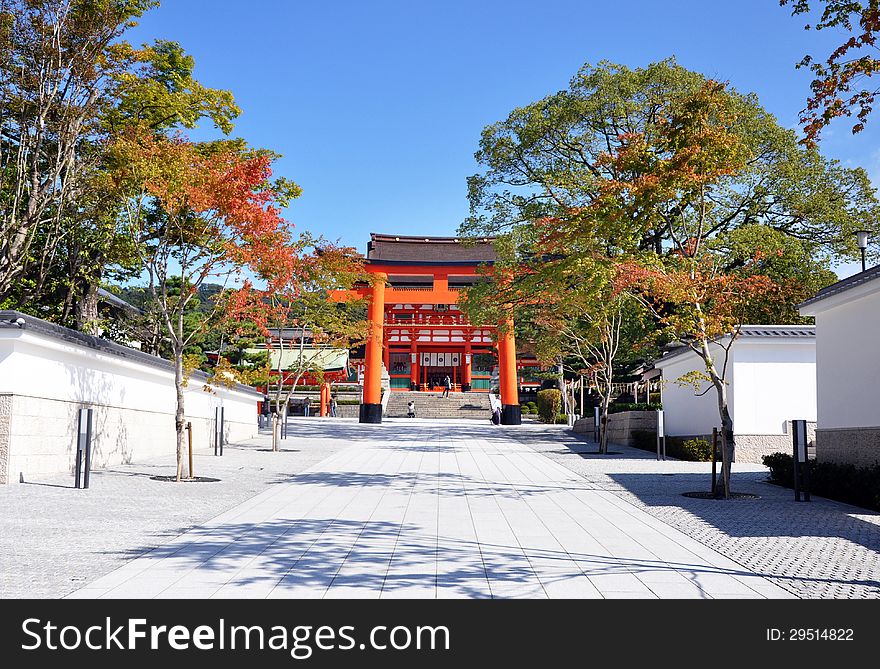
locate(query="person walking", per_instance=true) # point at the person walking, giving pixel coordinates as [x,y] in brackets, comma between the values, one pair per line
[307,404]
[411,409]
[446,385]
[333,406]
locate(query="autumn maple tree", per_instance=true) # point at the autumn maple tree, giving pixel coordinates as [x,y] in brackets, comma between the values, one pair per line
[289,306]
[197,213]
[843,82]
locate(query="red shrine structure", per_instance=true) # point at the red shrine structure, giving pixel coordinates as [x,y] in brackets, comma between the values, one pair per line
[417,331]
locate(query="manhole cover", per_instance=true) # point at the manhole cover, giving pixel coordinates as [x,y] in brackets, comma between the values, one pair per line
[709,495]
[191,479]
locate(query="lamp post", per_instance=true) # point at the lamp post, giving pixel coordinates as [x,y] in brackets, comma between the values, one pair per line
[862,240]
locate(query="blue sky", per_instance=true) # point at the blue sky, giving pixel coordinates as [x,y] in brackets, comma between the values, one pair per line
[377,106]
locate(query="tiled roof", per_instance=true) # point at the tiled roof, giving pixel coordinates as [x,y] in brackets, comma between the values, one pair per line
[10,320]
[756,332]
[843,285]
[429,250]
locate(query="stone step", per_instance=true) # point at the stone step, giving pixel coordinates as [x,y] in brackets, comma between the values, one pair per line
[433,405]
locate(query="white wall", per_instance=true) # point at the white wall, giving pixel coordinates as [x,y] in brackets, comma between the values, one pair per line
[684,413]
[848,357]
[770,381]
[48,378]
[774,380]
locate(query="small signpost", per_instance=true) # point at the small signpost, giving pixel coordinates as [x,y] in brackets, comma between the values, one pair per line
[596,424]
[661,438]
[218,431]
[801,460]
[83,449]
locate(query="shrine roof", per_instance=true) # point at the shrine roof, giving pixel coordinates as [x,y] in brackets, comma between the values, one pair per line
[429,250]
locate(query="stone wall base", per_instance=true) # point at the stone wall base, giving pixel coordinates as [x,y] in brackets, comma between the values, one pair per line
[621,425]
[858,446]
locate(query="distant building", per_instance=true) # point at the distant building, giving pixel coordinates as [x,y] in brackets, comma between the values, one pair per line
[847,317]
[771,376]
[418,333]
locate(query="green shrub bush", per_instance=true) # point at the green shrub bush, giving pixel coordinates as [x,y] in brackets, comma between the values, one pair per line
[347,402]
[781,466]
[695,450]
[629,406]
[561,419]
[845,483]
[525,409]
[549,404]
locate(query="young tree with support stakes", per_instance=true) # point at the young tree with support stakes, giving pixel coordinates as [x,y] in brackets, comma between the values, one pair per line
[198,213]
[688,289]
[294,304]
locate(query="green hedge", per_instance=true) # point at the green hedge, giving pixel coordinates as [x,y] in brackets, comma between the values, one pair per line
[640,406]
[348,402]
[845,483]
[549,404]
[692,450]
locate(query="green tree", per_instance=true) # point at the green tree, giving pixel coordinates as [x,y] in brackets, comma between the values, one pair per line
[58,66]
[554,157]
[198,213]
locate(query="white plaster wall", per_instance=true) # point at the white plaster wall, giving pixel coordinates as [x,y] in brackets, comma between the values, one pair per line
[49,380]
[684,413]
[774,382]
[848,364]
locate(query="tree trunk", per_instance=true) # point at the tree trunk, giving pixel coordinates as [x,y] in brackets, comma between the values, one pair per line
[726,442]
[603,429]
[276,429]
[724,415]
[179,420]
[87,310]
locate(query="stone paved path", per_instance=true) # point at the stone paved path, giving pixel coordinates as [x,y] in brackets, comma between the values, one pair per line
[53,538]
[435,509]
[821,549]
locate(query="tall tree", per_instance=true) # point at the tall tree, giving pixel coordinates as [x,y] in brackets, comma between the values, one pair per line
[843,81]
[58,61]
[197,213]
[553,157]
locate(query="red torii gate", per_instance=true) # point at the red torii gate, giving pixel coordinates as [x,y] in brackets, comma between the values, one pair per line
[380,294]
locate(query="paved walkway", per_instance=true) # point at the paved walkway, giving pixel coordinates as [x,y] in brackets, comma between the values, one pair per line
[54,539]
[434,509]
[822,549]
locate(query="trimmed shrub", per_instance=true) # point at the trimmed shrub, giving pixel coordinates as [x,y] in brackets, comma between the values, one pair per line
[524,408]
[696,450]
[641,406]
[561,419]
[693,450]
[781,466]
[549,404]
[533,407]
[845,483]
[347,402]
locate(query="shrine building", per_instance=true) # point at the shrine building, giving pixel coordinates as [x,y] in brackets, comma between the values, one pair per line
[417,332]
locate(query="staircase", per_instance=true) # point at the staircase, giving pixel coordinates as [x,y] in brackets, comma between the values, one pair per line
[432,405]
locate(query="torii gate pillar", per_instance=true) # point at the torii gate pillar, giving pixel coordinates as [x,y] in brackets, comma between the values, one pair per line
[371,403]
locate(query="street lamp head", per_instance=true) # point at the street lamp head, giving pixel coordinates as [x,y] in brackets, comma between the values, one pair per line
[862,238]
